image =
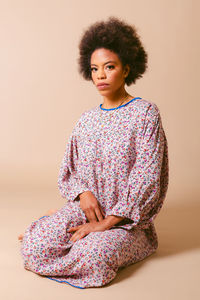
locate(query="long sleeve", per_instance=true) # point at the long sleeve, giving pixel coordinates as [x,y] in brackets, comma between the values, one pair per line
[148,178]
[69,181]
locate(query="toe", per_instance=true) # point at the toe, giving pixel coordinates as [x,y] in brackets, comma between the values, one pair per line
[20,237]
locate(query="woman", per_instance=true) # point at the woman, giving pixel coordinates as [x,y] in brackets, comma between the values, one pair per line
[114,174]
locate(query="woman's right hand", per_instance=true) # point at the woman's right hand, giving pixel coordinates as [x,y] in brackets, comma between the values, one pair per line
[91,207]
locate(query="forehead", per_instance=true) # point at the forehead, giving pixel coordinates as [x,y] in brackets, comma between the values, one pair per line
[103,55]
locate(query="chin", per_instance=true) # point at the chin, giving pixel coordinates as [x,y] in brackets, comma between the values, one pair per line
[105,93]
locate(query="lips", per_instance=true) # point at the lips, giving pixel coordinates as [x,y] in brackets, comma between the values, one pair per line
[102,85]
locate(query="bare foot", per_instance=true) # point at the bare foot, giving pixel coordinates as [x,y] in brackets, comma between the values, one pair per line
[48,213]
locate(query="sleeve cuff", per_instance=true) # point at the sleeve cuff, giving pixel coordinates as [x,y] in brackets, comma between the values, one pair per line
[121,210]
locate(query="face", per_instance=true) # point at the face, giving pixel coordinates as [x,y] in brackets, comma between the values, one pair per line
[106,67]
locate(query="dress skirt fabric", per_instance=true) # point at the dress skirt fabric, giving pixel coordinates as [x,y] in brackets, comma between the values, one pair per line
[92,261]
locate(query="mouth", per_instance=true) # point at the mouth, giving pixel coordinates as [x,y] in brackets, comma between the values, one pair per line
[102,86]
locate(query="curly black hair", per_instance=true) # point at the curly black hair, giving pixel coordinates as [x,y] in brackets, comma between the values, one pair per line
[119,37]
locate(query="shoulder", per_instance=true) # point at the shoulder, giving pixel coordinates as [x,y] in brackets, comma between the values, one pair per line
[88,115]
[145,107]
[85,118]
[145,110]
[144,113]
[89,112]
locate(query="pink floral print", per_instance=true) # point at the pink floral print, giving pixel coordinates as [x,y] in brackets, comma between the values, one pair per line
[124,163]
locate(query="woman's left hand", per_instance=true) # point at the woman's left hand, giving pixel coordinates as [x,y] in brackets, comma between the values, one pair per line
[84,229]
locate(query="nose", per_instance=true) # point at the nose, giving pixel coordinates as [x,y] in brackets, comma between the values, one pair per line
[101,74]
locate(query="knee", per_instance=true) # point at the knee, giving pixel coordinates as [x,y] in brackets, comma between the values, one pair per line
[41,249]
[100,263]
[32,253]
[102,252]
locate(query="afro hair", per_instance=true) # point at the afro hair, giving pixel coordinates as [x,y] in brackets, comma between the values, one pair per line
[119,37]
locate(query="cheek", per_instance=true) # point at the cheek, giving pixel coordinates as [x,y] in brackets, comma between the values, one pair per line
[116,78]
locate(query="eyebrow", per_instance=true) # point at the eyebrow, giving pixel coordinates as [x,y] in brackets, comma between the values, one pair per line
[110,61]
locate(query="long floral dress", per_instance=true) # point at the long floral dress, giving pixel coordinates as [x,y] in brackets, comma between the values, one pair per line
[121,156]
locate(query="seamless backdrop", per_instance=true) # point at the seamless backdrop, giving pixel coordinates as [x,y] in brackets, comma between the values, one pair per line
[42,95]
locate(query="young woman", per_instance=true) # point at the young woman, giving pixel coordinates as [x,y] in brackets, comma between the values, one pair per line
[114,174]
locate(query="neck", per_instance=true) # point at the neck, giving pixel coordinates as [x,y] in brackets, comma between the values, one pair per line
[116,99]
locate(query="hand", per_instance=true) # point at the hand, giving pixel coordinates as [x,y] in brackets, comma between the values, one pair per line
[91,207]
[83,230]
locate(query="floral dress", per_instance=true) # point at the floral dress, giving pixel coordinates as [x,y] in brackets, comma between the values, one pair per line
[121,156]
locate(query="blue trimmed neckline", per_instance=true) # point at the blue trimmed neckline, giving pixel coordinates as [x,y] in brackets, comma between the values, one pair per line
[118,106]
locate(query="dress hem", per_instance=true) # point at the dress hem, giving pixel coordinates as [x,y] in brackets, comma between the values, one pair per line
[64,281]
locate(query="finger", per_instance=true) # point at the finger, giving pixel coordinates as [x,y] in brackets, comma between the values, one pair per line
[99,214]
[72,229]
[75,228]
[103,214]
[78,235]
[90,214]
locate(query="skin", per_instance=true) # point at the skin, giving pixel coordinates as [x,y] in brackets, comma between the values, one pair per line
[105,67]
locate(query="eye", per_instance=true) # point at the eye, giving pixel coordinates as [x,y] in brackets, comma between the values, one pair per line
[111,67]
[91,69]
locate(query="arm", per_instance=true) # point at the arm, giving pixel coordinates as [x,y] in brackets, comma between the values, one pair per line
[110,221]
[148,178]
[69,182]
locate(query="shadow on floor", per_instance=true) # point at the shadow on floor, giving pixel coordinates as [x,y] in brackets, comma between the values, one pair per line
[178,228]
[178,231]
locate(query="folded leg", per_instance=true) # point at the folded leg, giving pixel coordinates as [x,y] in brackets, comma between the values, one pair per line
[98,256]
[89,262]
[46,239]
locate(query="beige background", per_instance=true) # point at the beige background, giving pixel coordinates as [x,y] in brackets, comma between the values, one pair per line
[42,96]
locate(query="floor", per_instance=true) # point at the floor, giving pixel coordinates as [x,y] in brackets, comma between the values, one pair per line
[171,273]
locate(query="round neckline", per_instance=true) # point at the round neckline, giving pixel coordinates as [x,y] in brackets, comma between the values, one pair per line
[120,105]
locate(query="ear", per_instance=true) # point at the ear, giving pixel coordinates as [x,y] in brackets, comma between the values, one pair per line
[126,70]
